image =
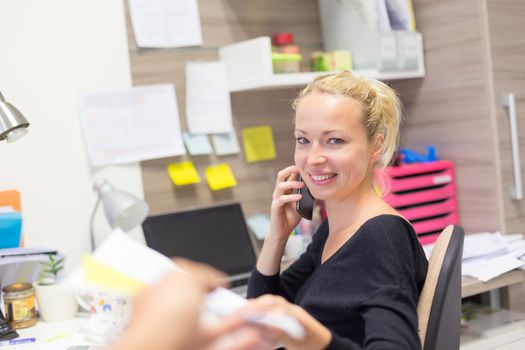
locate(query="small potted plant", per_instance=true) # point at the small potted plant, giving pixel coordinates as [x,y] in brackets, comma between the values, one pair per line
[56,299]
[50,270]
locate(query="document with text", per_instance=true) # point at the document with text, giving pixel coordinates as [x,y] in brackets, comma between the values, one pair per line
[165,23]
[130,125]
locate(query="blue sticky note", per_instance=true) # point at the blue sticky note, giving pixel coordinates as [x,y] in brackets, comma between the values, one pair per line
[10,229]
[225,143]
[259,224]
[197,144]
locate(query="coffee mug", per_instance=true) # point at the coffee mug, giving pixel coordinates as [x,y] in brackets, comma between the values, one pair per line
[102,303]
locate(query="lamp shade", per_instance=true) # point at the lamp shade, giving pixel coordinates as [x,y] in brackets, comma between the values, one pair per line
[13,125]
[122,209]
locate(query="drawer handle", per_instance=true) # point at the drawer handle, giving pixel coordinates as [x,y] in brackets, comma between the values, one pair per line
[509,101]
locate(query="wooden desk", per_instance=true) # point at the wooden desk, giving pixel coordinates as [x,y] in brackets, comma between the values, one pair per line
[471,286]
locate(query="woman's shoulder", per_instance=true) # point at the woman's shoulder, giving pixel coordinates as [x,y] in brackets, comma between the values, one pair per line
[390,222]
[390,228]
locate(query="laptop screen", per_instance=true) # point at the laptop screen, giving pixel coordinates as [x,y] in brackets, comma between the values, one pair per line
[217,236]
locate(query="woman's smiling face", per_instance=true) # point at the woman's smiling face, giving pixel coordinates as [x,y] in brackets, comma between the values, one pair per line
[332,149]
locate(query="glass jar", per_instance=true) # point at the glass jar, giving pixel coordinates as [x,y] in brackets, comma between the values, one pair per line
[19,300]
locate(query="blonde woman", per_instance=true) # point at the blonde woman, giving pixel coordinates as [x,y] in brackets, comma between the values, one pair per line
[358,283]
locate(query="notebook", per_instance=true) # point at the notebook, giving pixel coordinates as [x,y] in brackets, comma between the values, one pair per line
[217,236]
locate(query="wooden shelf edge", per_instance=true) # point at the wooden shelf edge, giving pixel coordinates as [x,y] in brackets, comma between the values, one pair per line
[249,67]
[287,80]
[470,286]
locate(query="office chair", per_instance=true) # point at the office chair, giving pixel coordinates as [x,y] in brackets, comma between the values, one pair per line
[439,307]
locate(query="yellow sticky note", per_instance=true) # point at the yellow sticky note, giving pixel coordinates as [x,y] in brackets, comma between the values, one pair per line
[183,173]
[107,278]
[258,144]
[220,176]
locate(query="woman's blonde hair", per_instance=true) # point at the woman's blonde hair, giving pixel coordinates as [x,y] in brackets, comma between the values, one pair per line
[381,106]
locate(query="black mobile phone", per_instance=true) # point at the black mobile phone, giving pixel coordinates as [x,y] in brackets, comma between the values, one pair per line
[305,206]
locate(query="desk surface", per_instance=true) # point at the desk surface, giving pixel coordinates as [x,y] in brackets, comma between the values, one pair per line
[470,286]
[63,331]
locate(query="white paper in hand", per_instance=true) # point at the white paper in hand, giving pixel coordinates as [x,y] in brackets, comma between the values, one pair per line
[224,302]
[132,258]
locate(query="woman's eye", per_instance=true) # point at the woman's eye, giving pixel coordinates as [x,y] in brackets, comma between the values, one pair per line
[335,140]
[302,140]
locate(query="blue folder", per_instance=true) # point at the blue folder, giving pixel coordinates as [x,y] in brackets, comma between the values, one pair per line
[10,229]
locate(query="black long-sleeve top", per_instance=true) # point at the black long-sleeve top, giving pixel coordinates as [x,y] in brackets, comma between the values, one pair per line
[366,293]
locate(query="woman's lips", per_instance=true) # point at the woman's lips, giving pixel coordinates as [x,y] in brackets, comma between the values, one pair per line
[322,178]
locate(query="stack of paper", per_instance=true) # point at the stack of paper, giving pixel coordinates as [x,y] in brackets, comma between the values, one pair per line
[488,255]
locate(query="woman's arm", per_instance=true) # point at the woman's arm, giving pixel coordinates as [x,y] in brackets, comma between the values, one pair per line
[290,281]
[389,312]
[283,219]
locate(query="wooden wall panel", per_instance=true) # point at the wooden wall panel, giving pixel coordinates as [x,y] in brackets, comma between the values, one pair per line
[507,47]
[448,108]
[224,22]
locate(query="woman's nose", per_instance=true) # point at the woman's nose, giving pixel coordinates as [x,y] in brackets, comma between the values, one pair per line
[316,155]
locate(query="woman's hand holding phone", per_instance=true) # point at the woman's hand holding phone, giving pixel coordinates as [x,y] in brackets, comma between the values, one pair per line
[284,216]
[283,219]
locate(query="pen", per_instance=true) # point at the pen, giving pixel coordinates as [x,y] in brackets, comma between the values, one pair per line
[17,341]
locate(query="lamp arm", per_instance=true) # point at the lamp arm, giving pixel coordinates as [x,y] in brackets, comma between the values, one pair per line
[91,231]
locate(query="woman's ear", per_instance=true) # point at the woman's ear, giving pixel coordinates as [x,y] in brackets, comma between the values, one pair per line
[377,148]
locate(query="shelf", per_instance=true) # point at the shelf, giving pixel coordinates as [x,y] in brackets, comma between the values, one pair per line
[249,67]
[287,80]
[470,286]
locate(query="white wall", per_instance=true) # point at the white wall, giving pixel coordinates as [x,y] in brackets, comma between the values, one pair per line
[49,52]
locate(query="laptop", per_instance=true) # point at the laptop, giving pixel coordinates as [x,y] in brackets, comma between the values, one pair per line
[217,236]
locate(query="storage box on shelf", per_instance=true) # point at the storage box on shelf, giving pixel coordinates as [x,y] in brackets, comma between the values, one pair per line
[424,193]
[374,44]
[249,67]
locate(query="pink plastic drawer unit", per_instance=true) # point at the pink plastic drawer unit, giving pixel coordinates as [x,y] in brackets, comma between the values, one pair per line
[420,196]
[424,193]
[426,210]
[434,224]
